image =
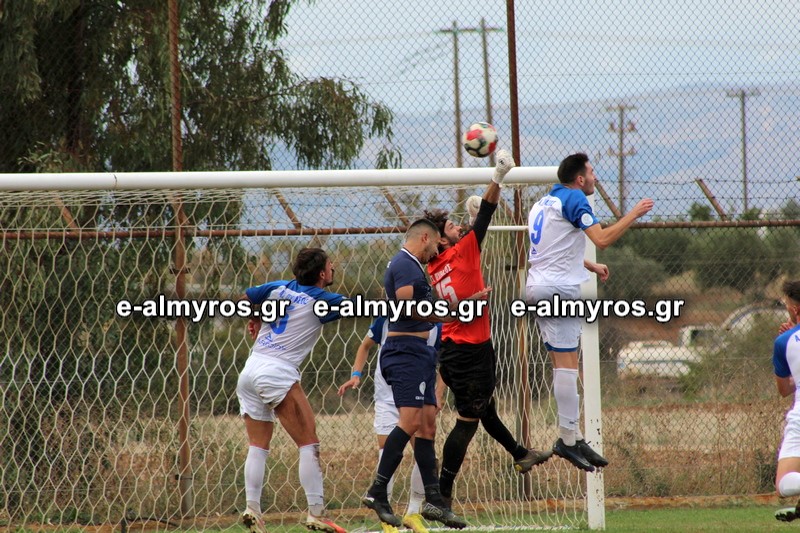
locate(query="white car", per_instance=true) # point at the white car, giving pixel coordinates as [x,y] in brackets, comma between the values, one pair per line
[657,358]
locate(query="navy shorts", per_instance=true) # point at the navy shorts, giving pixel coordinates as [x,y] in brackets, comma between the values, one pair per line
[408,365]
[469,371]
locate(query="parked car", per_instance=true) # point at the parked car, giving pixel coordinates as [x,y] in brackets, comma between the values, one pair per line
[660,358]
[657,358]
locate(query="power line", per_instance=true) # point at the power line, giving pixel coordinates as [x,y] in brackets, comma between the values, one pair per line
[455,30]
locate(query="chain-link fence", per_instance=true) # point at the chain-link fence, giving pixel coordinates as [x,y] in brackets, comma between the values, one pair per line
[694,106]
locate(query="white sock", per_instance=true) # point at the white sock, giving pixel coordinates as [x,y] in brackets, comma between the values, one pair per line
[565,390]
[417,491]
[789,485]
[254,476]
[390,485]
[311,478]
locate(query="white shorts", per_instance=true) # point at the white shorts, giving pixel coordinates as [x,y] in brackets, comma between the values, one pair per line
[790,447]
[262,386]
[386,417]
[559,334]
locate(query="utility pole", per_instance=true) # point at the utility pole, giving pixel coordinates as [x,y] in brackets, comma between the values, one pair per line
[742,95]
[621,153]
[455,30]
[486,85]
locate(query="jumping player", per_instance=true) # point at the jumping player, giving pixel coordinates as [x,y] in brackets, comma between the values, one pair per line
[556,225]
[467,359]
[269,384]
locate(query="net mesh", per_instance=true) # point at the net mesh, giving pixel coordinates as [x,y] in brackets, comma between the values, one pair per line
[91,405]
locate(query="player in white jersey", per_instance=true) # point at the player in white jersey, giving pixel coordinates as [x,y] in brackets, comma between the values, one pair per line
[557,224]
[269,385]
[387,415]
[786,362]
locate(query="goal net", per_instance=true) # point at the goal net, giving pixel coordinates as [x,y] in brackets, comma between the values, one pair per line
[97,425]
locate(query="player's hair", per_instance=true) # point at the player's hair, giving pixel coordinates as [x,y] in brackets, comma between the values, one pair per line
[420,226]
[307,265]
[439,217]
[791,288]
[571,166]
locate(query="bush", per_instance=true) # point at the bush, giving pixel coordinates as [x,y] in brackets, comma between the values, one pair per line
[668,247]
[632,276]
[728,258]
[737,368]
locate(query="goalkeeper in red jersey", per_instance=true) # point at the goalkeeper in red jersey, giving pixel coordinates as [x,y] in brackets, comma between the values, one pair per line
[467,357]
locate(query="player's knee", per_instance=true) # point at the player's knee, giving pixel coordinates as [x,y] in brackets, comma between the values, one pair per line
[475,409]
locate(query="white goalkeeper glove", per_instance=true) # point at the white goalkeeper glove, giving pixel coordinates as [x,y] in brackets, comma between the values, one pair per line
[473,205]
[505,162]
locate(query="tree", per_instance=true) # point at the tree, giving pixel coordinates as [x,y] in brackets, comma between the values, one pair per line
[699,212]
[667,247]
[89,80]
[85,87]
[724,257]
[632,276]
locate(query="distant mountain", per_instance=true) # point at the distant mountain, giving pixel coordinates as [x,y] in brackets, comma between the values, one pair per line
[678,136]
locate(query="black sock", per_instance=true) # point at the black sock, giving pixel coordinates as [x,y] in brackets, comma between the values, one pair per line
[425,455]
[499,432]
[392,456]
[455,449]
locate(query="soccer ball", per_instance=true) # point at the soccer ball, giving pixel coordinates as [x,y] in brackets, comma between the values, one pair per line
[480,139]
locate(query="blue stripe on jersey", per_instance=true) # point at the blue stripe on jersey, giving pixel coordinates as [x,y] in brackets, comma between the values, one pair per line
[376,330]
[261,292]
[779,359]
[574,206]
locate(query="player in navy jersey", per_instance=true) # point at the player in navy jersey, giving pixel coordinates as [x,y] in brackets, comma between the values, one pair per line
[269,384]
[558,225]
[409,366]
[467,358]
[387,416]
[786,362]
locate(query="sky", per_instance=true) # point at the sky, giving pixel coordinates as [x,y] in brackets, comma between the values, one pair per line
[567,50]
[673,61]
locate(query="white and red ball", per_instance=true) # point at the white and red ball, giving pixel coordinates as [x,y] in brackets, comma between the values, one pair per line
[480,139]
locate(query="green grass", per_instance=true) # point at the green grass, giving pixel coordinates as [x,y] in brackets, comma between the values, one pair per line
[742,519]
[681,520]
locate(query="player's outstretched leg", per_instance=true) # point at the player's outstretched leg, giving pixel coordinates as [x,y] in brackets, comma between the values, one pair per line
[524,459]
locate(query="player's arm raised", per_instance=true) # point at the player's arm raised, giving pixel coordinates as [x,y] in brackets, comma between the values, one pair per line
[481,209]
[605,237]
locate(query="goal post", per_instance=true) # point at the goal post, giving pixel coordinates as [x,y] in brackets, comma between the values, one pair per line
[94,400]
